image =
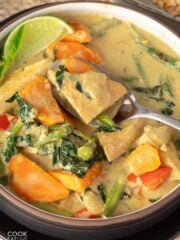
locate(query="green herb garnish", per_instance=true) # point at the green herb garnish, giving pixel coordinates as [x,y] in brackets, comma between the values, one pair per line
[26,112]
[12,49]
[60,75]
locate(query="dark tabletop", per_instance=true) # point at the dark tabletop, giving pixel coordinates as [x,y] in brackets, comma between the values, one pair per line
[168,229]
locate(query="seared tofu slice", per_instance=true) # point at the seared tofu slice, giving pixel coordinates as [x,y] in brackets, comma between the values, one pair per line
[117,143]
[18,80]
[88,94]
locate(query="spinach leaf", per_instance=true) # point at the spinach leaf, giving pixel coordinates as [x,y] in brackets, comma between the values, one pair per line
[102,191]
[9,148]
[66,157]
[157,93]
[107,124]
[56,133]
[139,68]
[60,75]
[23,141]
[26,112]
[12,50]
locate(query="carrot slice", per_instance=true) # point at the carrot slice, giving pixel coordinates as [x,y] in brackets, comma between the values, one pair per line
[33,183]
[144,158]
[38,94]
[81,34]
[76,66]
[153,179]
[73,50]
[72,182]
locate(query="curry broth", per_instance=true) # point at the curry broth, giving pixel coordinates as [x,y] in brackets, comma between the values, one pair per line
[115,42]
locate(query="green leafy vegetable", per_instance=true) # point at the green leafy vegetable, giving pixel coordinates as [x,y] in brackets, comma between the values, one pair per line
[86,151]
[140,68]
[112,198]
[60,75]
[56,133]
[158,92]
[4,180]
[24,141]
[52,208]
[102,191]
[26,112]
[9,148]
[66,157]
[11,51]
[107,124]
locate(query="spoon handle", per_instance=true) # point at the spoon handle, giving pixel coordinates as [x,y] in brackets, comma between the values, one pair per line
[146,113]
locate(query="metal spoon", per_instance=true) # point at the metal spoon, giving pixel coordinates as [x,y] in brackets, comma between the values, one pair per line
[130,108]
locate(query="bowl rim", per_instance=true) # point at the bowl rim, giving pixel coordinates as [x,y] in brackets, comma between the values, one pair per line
[23,206]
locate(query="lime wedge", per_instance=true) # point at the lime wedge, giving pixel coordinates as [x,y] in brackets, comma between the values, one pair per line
[38,32]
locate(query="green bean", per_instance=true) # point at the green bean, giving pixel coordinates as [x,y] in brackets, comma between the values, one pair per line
[113,197]
[50,207]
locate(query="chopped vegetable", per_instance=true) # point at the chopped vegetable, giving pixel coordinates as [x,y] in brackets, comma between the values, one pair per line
[76,66]
[9,149]
[144,158]
[74,50]
[66,158]
[52,208]
[112,198]
[140,68]
[4,122]
[38,94]
[81,34]
[177,143]
[117,143]
[56,133]
[33,183]
[12,50]
[108,125]
[72,182]
[26,112]
[153,179]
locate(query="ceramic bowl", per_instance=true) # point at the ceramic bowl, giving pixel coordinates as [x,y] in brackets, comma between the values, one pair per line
[114,227]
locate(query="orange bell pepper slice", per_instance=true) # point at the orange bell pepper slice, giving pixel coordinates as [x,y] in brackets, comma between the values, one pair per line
[72,182]
[77,50]
[38,95]
[81,34]
[76,66]
[33,183]
[144,158]
[153,179]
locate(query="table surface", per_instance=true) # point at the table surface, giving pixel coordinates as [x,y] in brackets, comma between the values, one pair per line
[168,228]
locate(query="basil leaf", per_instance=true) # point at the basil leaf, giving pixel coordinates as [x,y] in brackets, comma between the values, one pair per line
[11,49]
